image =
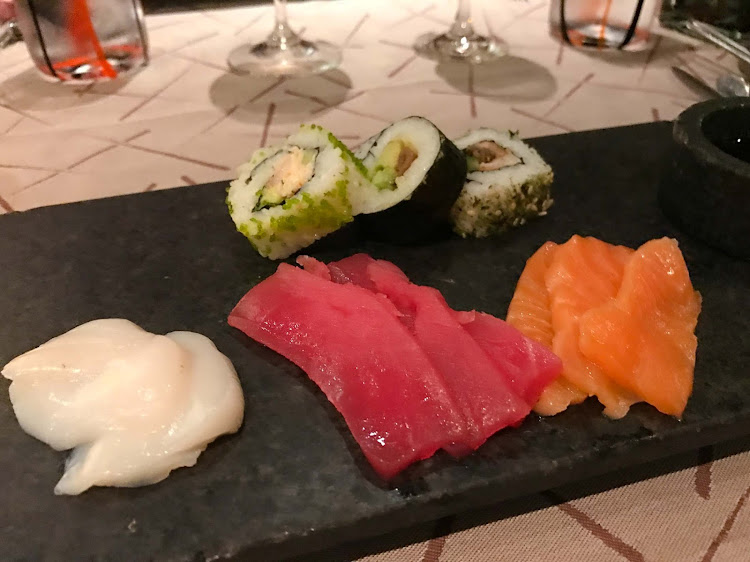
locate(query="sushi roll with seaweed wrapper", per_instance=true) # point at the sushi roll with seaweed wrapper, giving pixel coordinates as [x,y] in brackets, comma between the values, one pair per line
[507,184]
[290,195]
[415,175]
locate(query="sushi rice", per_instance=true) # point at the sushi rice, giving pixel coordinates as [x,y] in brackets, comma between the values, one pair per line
[507,184]
[415,175]
[289,195]
[406,155]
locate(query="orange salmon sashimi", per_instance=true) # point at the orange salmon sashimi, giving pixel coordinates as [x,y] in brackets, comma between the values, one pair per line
[645,338]
[529,313]
[585,273]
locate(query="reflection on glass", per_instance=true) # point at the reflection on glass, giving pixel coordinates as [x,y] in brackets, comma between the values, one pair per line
[284,53]
[461,42]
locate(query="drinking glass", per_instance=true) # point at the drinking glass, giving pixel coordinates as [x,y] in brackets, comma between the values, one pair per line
[604,24]
[461,42]
[284,53]
[83,40]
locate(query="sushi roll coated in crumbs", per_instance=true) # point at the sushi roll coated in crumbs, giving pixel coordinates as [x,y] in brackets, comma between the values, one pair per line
[415,175]
[290,195]
[507,184]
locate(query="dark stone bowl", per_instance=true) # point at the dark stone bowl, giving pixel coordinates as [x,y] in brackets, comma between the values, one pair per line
[706,188]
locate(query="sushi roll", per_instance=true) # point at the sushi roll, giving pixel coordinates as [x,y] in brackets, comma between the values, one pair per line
[415,175]
[507,184]
[288,196]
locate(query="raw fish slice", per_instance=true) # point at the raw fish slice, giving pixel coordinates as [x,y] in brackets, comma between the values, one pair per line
[68,368]
[209,406]
[353,346]
[556,397]
[354,270]
[133,405]
[645,338]
[528,365]
[529,312]
[315,267]
[585,273]
[92,345]
[481,390]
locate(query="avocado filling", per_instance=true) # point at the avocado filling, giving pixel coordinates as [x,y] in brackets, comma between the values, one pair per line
[393,162]
[291,170]
[487,155]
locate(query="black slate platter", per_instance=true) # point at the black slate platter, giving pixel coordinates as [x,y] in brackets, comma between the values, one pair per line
[292,480]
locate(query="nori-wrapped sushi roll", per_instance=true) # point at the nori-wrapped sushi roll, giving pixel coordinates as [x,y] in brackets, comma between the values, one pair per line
[290,195]
[415,175]
[507,184]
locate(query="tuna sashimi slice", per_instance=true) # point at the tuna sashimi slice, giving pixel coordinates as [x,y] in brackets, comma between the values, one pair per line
[529,312]
[529,365]
[353,346]
[585,273]
[482,392]
[645,338]
[481,385]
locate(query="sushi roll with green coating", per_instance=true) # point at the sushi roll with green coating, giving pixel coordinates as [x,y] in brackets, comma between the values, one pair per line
[507,184]
[290,195]
[415,175]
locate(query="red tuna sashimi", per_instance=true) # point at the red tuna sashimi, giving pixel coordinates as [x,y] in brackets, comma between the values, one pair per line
[483,393]
[529,365]
[480,389]
[351,343]
[354,270]
[315,267]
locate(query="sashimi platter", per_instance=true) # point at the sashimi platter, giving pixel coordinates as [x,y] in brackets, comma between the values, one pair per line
[355,340]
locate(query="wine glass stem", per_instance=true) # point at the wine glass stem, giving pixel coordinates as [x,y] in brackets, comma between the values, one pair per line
[282,34]
[462,23]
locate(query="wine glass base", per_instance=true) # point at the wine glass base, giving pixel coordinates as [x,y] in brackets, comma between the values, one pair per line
[299,58]
[473,49]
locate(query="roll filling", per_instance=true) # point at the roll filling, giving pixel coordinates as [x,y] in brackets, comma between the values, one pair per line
[487,155]
[415,176]
[507,184]
[290,195]
[288,171]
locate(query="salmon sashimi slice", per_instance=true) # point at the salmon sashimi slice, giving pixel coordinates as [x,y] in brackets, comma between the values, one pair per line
[645,338]
[557,396]
[529,312]
[352,344]
[585,273]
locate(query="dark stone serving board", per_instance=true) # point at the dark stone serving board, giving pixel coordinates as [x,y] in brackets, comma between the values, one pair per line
[293,481]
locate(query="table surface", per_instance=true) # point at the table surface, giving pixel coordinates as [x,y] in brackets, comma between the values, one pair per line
[186,119]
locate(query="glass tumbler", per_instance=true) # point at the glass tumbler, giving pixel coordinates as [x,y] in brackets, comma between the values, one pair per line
[83,40]
[604,24]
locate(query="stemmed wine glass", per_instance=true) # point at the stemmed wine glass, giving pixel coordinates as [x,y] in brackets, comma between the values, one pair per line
[284,53]
[461,42]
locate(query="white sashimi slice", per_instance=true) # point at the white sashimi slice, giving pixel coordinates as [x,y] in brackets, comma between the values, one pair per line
[83,351]
[133,405]
[217,402]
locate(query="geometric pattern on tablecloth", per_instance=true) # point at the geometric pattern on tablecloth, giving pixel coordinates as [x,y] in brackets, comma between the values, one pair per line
[186,119]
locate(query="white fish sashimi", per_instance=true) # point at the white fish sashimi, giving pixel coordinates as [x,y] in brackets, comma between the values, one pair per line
[132,405]
[81,352]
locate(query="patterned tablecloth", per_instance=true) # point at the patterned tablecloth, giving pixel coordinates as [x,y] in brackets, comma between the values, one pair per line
[185,119]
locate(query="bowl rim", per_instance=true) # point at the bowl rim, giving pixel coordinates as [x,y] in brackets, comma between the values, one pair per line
[688,132]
